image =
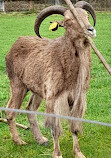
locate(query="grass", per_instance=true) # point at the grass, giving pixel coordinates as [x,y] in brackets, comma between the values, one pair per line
[96,140]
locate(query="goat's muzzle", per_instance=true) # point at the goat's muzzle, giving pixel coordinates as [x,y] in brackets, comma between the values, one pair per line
[92,31]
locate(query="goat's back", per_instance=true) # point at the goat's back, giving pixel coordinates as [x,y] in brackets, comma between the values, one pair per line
[20,52]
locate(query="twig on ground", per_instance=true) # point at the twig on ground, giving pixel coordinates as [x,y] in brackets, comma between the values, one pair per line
[17,124]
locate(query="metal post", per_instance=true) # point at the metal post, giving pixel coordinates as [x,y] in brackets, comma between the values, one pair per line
[2,6]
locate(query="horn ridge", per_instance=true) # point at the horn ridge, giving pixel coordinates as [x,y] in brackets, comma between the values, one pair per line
[87,7]
[45,13]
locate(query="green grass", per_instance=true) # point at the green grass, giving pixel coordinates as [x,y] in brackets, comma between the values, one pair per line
[96,140]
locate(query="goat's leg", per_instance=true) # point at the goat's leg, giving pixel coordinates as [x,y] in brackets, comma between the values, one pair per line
[76,126]
[18,93]
[54,124]
[33,105]
[57,152]
[76,148]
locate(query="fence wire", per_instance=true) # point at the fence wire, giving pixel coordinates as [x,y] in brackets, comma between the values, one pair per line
[56,116]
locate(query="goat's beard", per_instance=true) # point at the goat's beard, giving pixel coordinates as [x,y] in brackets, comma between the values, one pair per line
[79,105]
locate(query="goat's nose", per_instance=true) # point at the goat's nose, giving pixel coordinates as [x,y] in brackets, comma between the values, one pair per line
[91,28]
[92,31]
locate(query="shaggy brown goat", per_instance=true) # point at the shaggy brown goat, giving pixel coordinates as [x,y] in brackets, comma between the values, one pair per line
[57,70]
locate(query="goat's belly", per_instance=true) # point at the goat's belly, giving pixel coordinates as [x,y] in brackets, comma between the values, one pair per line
[33,75]
[33,83]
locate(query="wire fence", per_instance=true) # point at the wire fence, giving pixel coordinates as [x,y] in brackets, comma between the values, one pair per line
[55,116]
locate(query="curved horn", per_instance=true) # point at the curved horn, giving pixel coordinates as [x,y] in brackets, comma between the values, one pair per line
[45,13]
[87,7]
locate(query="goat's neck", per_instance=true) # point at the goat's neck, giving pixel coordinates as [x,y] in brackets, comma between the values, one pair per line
[79,43]
[78,47]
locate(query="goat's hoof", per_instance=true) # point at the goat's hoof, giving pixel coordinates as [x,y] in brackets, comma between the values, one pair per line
[57,154]
[20,142]
[43,141]
[79,155]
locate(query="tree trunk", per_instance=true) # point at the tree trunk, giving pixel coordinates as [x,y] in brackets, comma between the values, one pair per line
[57,2]
[31,5]
[107,5]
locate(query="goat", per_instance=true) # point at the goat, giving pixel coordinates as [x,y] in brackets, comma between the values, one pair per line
[57,70]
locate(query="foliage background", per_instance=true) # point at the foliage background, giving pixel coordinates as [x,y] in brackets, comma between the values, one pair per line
[24,5]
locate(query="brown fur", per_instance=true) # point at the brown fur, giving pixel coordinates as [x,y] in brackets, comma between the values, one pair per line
[57,70]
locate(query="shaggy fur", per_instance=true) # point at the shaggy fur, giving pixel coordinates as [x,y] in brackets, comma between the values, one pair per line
[57,70]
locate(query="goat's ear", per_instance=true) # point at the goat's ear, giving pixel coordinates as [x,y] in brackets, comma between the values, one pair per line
[54,26]
[59,22]
[67,17]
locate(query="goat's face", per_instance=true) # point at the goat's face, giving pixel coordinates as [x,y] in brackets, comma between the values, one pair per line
[73,28]
[70,23]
